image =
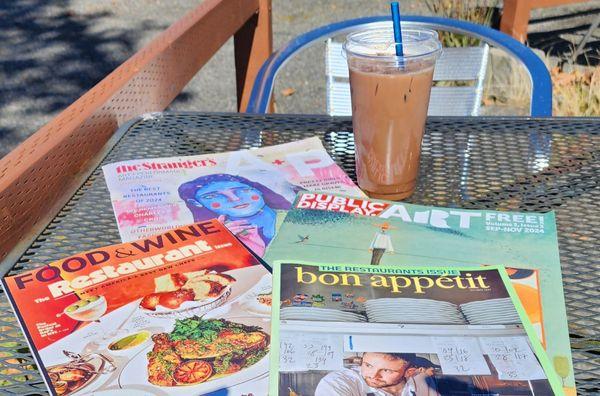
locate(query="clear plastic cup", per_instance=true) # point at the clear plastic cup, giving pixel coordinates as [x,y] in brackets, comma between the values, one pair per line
[390,97]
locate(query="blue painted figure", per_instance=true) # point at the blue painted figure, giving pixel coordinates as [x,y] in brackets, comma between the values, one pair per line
[245,207]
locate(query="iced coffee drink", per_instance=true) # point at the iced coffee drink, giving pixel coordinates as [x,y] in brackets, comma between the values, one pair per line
[390,97]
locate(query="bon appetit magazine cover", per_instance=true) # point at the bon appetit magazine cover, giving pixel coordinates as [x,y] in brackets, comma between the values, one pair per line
[349,230]
[349,330]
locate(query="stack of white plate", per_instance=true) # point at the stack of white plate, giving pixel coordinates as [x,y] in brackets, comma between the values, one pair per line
[319,314]
[496,311]
[413,310]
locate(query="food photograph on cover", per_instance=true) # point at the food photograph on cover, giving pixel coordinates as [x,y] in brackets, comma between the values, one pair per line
[362,330]
[185,312]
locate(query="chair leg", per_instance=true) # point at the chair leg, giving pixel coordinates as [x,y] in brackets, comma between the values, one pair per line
[253,43]
[515,18]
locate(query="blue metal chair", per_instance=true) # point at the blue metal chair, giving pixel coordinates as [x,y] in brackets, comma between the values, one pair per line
[541,84]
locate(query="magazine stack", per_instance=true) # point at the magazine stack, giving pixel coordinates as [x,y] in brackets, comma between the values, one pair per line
[269,272]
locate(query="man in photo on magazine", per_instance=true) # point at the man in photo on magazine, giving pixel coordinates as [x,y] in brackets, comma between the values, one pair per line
[381,374]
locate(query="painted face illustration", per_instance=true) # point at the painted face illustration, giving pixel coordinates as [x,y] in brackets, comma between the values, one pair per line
[230,198]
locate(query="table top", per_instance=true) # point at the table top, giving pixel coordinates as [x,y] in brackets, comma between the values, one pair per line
[508,163]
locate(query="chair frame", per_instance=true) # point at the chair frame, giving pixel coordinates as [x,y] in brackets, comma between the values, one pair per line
[541,83]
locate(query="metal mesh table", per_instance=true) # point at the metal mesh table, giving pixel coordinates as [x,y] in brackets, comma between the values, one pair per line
[475,163]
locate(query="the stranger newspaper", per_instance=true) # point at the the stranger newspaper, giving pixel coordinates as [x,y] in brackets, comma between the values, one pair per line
[249,190]
[183,312]
[358,231]
[352,330]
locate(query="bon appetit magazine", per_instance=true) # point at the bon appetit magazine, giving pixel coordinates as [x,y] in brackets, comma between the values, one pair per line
[350,230]
[350,330]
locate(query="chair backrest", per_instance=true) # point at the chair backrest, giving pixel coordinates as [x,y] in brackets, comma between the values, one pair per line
[541,84]
[464,64]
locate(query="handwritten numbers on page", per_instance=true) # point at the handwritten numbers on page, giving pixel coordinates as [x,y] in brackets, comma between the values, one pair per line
[288,352]
[301,352]
[460,356]
[323,352]
[513,358]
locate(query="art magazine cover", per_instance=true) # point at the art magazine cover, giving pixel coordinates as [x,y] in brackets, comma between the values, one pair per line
[420,331]
[383,233]
[184,312]
[247,190]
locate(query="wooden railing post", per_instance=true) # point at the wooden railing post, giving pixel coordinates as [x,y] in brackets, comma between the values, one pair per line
[515,18]
[253,44]
[515,15]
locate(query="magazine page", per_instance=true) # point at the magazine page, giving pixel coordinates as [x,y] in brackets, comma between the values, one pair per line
[183,312]
[246,190]
[358,330]
[361,231]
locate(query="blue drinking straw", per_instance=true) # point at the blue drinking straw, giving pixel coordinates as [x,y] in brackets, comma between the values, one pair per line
[397,30]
